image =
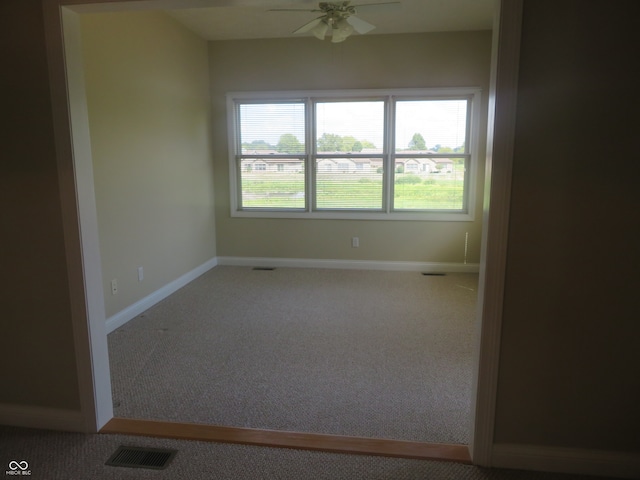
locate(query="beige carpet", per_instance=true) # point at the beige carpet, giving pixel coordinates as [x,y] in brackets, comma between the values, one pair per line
[349,352]
[74,456]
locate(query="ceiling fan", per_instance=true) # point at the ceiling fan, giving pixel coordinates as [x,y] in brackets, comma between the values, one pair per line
[339,18]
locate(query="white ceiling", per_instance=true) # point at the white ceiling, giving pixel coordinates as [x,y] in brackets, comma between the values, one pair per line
[250,19]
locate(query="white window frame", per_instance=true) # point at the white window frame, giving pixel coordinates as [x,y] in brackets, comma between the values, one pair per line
[309,96]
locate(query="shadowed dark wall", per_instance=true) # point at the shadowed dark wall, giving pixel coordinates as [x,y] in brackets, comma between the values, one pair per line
[570,362]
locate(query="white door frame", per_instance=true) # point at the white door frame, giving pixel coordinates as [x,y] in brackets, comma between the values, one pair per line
[73,150]
[505,59]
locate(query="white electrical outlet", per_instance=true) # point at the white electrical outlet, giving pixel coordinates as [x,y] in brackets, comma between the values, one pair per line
[114,287]
[355,242]
[140,274]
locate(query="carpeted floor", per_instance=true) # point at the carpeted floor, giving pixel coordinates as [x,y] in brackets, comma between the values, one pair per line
[74,456]
[349,352]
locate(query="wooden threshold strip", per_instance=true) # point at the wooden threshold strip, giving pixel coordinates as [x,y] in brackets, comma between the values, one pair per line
[276,438]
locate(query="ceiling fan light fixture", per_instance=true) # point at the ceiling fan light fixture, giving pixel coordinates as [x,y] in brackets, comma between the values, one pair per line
[341,30]
[320,30]
[339,18]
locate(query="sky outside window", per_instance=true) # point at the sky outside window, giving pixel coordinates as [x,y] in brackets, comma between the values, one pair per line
[267,122]
[439,122]
[362,121]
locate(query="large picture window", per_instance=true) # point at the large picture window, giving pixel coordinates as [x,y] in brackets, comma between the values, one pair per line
[402,154]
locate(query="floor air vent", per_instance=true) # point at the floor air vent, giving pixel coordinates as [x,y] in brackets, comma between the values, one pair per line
[433,274]
[139,457]
[266,269]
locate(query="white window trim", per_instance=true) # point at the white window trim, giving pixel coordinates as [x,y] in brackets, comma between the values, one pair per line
[475,95]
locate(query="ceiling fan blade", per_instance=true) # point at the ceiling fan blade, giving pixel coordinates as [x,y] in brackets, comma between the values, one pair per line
[293,10]
[308,26]
[380,7]
[360,25]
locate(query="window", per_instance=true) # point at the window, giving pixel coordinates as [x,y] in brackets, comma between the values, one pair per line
[401,154]
[441,187]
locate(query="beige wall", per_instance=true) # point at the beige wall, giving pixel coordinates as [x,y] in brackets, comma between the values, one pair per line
[149,112]
[384,61]
[570,360]
[37,363]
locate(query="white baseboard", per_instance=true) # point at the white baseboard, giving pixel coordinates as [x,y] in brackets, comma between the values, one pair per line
[566,460]
[149,301]
[350,264]
[41,417]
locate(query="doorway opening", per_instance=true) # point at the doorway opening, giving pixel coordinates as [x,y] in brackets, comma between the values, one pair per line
[99,384]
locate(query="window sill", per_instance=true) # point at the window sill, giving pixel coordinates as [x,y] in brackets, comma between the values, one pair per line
[356,215]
